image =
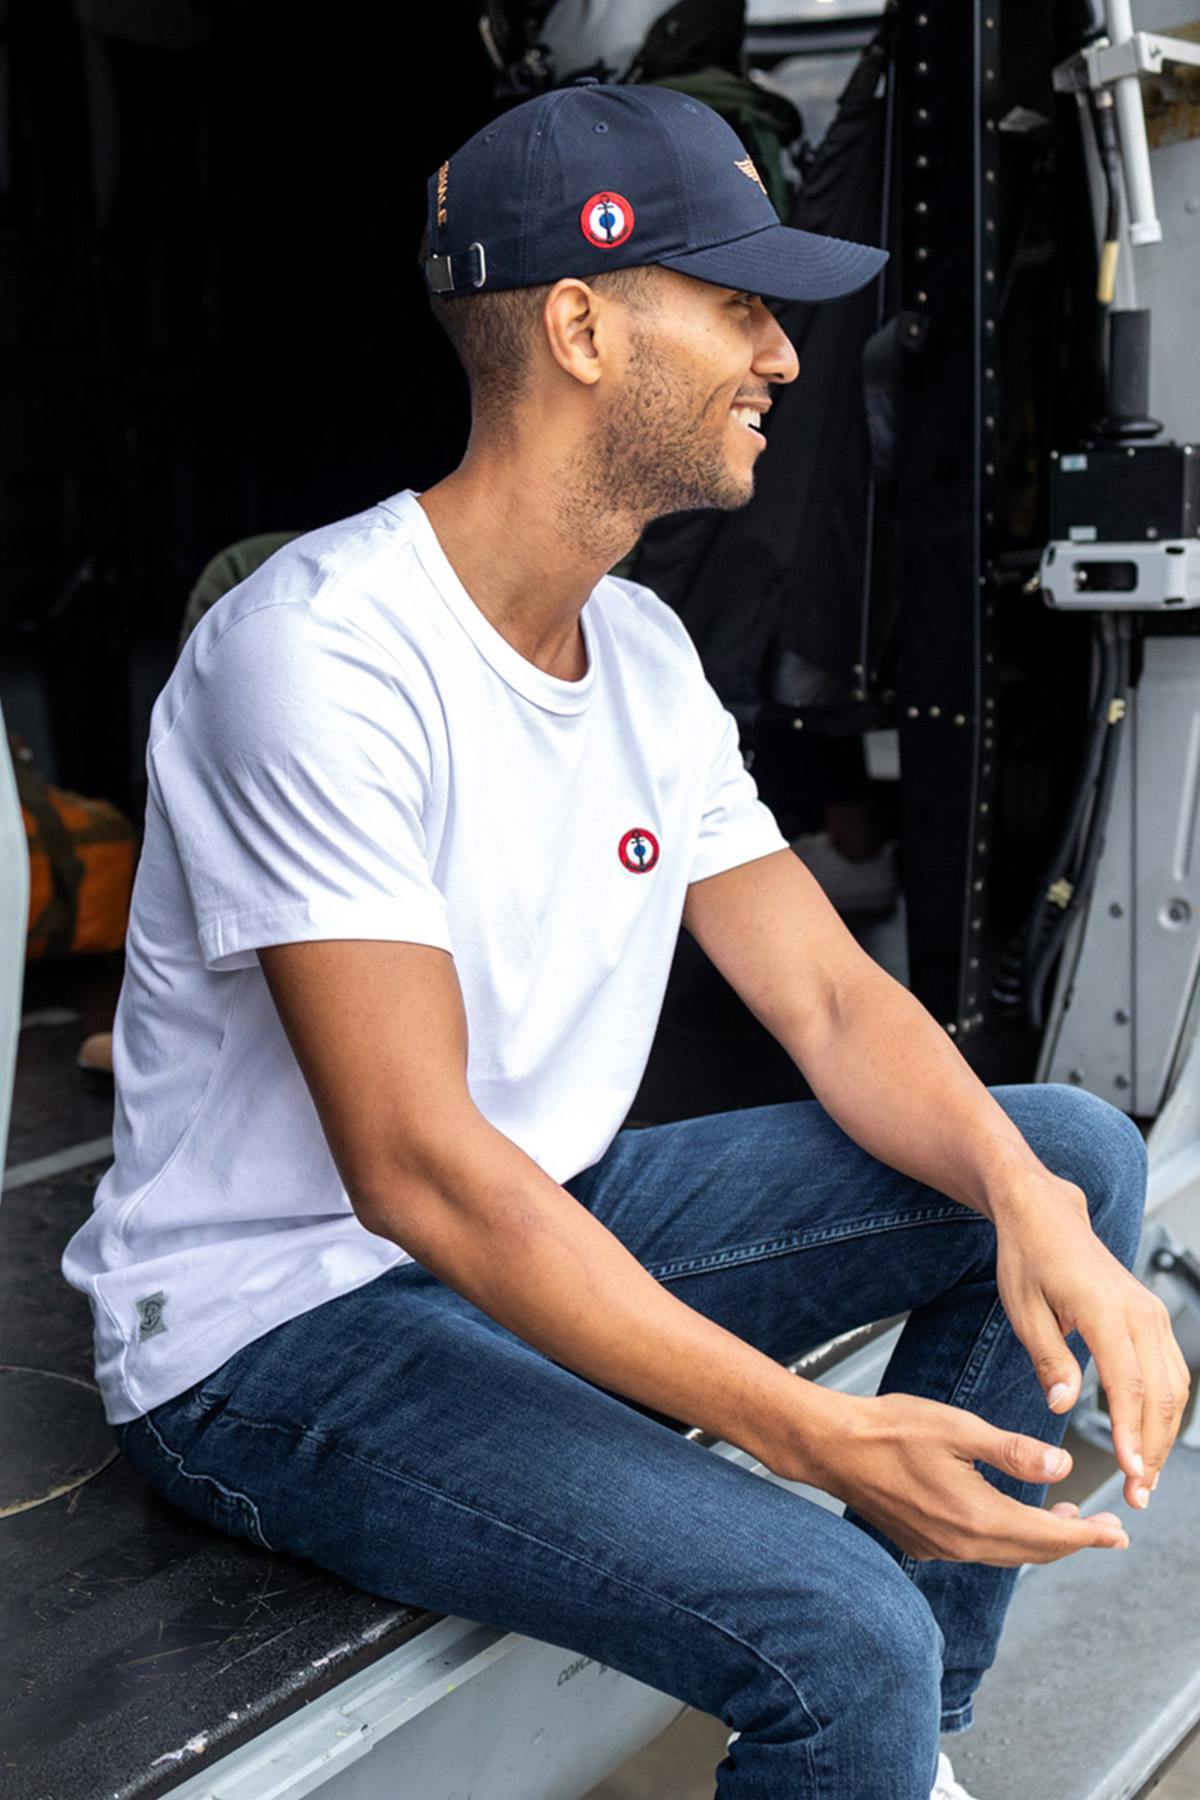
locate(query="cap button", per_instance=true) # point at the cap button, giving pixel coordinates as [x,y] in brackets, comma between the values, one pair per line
[586,81]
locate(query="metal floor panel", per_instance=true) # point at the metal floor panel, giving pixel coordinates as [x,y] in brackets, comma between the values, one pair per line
[129,1632]
[1098,1676]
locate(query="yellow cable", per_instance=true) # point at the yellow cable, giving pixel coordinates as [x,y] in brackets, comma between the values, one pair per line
[1106,284]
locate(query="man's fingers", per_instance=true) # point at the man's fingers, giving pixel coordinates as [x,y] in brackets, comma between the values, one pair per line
[1026,1458]
[1008,1532]
[1124,1382]
[1160,1420]
[1046,1535]
[1063,1536]
[1056,1368]
[1167,1402]
[1140,1367]
[1183,1380]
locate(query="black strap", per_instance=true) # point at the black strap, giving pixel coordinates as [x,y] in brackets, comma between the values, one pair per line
[447,274]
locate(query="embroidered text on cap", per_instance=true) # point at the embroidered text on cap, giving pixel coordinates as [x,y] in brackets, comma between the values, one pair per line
[606,220]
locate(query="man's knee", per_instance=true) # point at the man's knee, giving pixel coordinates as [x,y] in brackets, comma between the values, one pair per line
[885,1643]
[851,1633]
[906,1638]
[862,1695]
[1085,1140]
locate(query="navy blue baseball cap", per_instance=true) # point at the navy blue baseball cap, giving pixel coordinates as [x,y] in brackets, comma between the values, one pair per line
[594,177]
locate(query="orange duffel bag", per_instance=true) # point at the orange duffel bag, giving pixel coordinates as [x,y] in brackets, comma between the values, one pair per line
[82,855]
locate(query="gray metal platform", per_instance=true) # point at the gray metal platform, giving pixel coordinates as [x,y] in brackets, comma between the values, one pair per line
[1098,1676]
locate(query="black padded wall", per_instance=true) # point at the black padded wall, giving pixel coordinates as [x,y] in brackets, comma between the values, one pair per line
[210,318]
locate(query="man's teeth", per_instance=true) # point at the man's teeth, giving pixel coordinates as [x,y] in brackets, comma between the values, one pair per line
[747,417]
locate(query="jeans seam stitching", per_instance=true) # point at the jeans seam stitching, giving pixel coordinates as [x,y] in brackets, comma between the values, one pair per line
[480,1512]
[986,1336]
[968,1379]
[211,1480]
[745,1254]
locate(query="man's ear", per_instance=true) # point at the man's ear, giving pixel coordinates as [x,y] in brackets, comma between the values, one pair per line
[577,330]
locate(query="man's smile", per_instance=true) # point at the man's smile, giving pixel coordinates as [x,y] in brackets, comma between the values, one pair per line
[749,415]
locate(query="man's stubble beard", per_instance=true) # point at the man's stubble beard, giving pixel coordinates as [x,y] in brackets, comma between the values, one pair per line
[648,456]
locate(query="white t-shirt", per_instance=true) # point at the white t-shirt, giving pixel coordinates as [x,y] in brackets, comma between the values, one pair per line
[348,749]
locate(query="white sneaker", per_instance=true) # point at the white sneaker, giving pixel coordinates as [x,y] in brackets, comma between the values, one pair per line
[870,885]
[945,1787]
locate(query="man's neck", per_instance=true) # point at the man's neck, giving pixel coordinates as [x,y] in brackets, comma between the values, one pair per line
[510,544]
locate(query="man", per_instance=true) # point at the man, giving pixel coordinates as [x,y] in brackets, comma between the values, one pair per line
[378,1278]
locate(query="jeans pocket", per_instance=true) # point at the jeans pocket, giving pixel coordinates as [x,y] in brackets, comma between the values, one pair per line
[236,1514]
[204,1494]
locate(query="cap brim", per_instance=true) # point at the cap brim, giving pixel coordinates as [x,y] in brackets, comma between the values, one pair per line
[783,264]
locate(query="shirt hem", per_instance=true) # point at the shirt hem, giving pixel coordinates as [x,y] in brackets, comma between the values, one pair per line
[727,853]
[242,935]
[125,1398]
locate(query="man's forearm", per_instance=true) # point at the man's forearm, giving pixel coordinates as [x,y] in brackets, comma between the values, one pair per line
[883,1067]
[491,1224]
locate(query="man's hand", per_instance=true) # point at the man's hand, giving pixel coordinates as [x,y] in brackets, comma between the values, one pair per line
[1055,1276]
[908,1465]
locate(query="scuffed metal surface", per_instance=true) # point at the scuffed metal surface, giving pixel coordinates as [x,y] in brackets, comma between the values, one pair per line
[135,1643]
[53,1437]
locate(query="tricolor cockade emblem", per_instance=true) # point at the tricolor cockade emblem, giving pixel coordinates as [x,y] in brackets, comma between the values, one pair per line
[606,220]
[638,850]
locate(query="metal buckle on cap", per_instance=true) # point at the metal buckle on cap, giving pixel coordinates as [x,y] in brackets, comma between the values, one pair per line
[446,274]
[438,276]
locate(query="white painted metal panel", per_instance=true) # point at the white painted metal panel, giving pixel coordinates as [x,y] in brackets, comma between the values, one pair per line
[14,917]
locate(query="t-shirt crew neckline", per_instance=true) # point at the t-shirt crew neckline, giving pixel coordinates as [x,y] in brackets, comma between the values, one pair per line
[548,691]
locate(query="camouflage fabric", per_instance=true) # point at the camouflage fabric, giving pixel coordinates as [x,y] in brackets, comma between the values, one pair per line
[225,570]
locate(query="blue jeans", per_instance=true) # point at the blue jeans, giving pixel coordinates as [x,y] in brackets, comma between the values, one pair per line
[402,1438]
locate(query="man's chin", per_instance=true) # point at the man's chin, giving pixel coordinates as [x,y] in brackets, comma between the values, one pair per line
[745,493]
[734,494]
[729,495]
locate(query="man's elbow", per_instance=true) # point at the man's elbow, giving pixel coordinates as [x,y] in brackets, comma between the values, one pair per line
[430,1195]
[390,1205]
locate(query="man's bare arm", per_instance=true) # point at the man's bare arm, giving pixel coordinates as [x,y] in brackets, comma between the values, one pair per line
[872,1054]
[380,1034]
[893,1080]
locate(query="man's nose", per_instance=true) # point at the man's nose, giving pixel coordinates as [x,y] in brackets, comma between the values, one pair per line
[774,354]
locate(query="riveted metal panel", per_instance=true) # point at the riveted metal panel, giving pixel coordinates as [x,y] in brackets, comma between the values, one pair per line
[1129,972]
[947,73]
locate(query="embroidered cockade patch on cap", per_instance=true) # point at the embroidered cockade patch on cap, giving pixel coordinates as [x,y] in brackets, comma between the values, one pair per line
[606,220]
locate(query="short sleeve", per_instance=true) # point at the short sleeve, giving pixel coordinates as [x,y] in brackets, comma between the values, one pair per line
[295,773]
[735,826]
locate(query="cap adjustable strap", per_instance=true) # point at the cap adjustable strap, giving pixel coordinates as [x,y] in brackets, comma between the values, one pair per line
[446,274]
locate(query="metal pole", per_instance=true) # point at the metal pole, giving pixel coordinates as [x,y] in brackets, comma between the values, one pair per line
[1144,227]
